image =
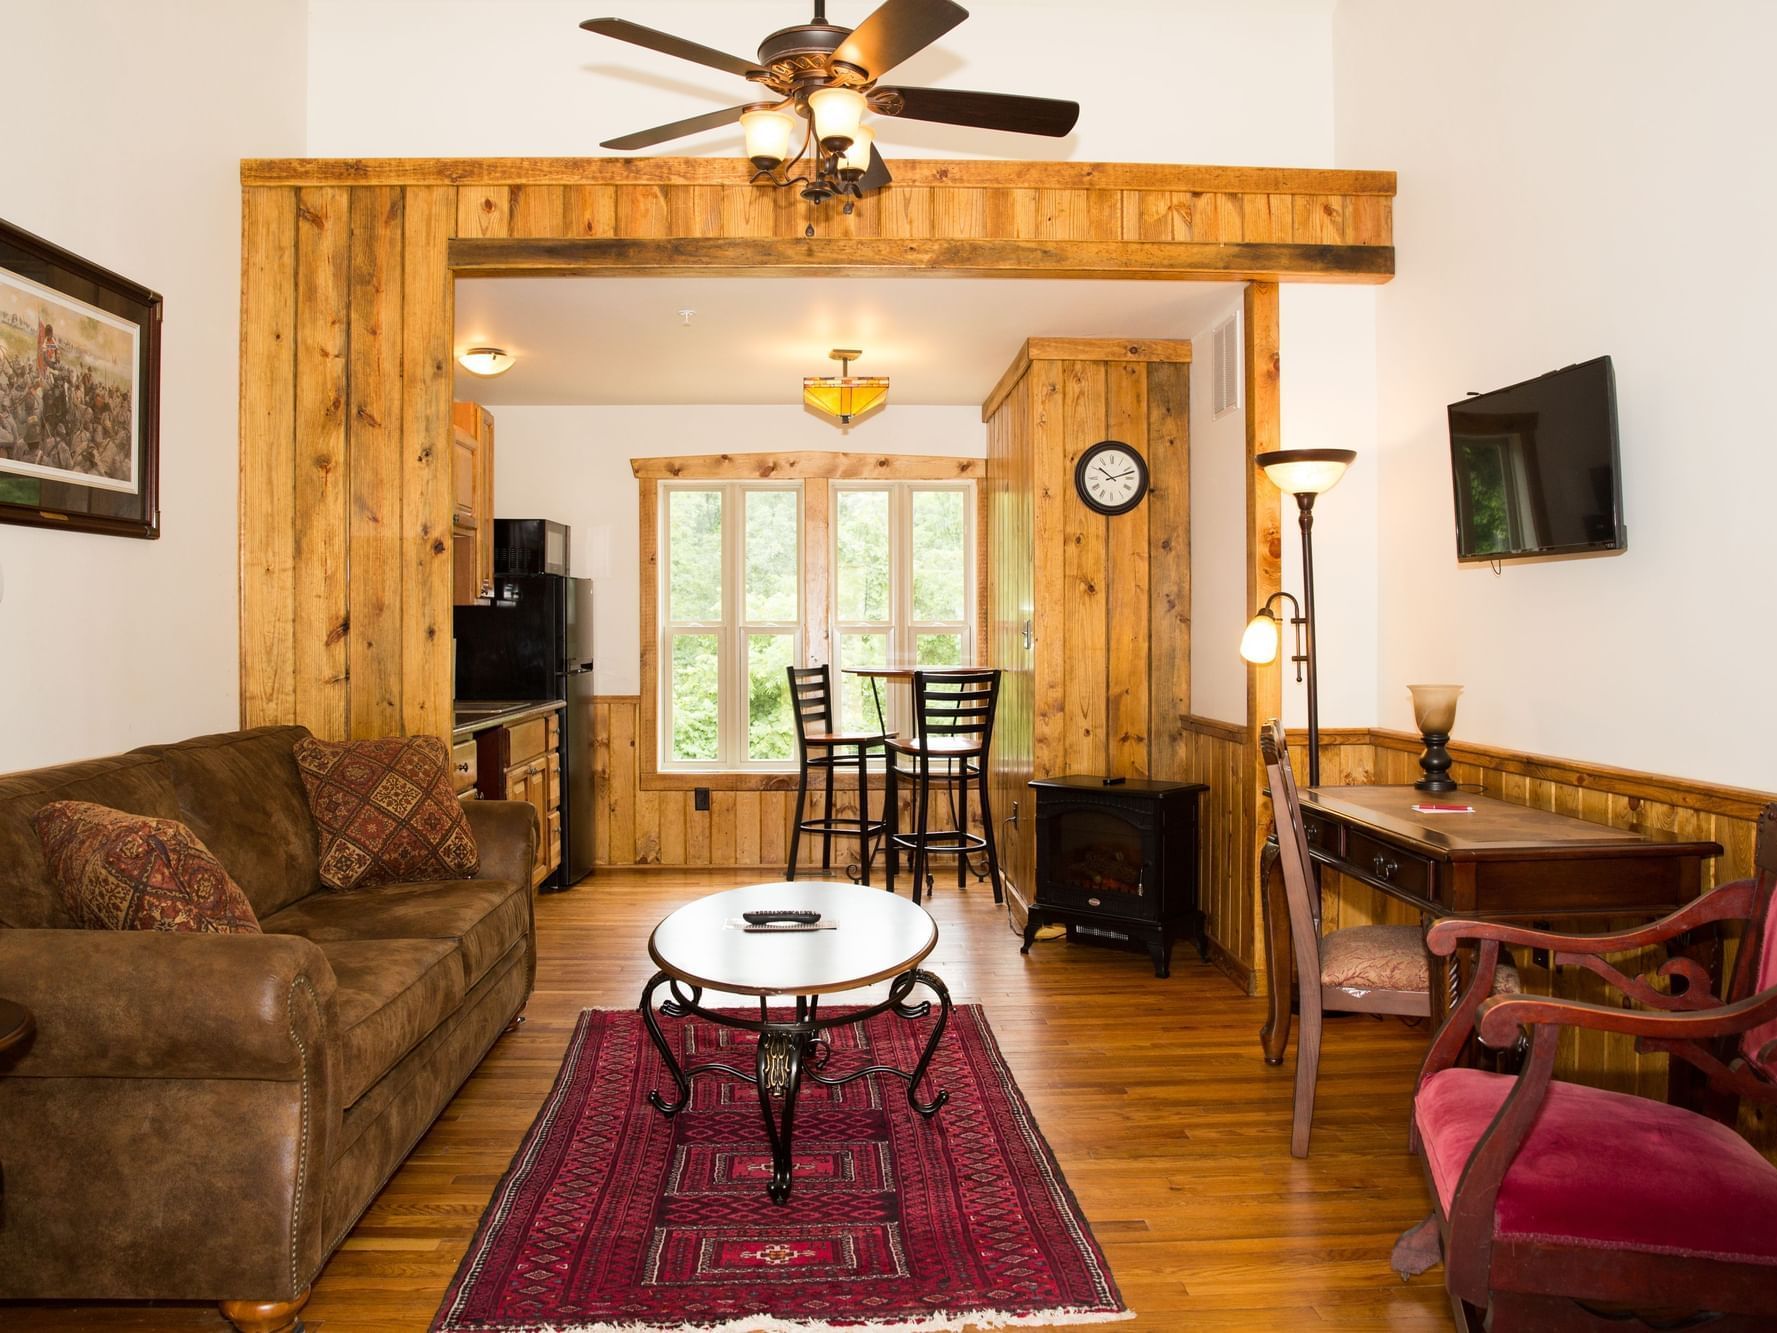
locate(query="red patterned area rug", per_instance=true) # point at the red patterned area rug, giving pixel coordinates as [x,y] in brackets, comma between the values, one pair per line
[616,1219]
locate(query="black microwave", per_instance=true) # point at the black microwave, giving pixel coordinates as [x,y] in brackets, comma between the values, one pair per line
[530,546]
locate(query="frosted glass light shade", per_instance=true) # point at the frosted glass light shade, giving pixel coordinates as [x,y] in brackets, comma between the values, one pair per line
[1434,708]
[769,134]
[1259,644]
[1305,471]
[485,361]
[844,396]
[856,159]
[837,113]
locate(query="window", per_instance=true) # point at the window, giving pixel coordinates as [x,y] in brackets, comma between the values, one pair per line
[730,623]
[903,586]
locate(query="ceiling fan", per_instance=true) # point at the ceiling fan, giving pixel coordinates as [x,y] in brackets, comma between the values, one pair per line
[827,76]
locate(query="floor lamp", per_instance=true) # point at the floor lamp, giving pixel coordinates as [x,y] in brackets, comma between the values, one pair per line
[1305,474]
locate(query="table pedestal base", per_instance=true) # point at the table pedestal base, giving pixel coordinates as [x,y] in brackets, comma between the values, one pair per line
[790,1049]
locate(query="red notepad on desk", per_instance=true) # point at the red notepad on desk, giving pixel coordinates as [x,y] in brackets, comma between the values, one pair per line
[1441,808]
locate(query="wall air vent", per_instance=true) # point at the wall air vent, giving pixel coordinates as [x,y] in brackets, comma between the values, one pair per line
[1225,365]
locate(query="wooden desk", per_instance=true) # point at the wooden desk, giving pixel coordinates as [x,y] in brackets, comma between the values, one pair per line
[1504,862]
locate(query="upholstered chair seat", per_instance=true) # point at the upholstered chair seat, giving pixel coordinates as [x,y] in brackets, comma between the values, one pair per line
[1608,1171]
[1367,958]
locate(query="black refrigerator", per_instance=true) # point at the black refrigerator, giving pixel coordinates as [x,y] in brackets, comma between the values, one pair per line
[534,641]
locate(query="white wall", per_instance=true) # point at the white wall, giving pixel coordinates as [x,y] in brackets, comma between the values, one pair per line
[497,77]
[1577,179]
[1218,537]
[572,464]
[130,120]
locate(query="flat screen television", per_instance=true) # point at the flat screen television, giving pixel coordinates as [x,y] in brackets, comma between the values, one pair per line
[1535,467]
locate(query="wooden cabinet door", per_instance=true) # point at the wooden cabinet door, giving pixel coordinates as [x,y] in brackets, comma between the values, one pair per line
[484,502]
[465,478]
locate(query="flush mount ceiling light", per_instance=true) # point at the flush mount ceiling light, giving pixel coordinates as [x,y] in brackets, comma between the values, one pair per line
[826,79]
[485,361]
[845,395]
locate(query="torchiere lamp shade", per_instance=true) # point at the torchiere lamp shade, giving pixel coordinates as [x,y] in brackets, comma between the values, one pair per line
[1305,471]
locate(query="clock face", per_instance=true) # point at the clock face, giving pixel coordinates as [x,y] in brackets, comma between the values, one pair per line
[1111,477]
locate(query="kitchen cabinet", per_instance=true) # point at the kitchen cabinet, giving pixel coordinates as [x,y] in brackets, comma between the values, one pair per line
[522,762]
[472,515]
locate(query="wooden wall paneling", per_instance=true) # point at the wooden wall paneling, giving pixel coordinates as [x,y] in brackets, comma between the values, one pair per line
[642,211]
[646,847]
[589,210]
[1084,599]
[1264,552]
[484,211]
[1007,551]
[1126,572]
[673,807]
[906,211]
[817,559]
[375,677]
[268,457]
[1169,563]
[321,609]
[427,376]
[537,210]
[623,783]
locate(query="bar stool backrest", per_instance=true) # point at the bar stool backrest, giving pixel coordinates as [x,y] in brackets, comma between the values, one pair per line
[955,704]
[811,701]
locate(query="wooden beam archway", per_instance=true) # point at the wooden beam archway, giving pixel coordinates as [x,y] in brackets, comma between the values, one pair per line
[347,322]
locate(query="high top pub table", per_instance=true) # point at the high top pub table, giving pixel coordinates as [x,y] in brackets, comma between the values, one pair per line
[877,937]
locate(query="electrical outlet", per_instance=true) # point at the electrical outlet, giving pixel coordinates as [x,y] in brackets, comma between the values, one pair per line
[700,798]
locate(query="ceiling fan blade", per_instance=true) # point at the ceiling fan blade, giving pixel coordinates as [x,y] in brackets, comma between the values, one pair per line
[895,31]
[876,175]
[678,129]
[986,111]
[667,44]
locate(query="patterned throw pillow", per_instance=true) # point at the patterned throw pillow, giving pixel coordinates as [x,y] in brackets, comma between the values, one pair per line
[118,871]
[386,811]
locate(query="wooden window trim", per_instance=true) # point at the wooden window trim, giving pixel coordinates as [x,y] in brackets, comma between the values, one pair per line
[815,471]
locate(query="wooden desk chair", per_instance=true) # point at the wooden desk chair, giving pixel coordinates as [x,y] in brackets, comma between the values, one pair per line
[820,747]
[953,726]
[1359,969]
[1554,1201]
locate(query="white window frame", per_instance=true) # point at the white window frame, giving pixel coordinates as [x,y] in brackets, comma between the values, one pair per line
[902,629]
[732,631]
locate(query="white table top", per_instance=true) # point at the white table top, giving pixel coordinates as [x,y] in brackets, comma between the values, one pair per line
[879,936]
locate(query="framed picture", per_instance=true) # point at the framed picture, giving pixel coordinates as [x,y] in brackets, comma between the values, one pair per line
[79,393]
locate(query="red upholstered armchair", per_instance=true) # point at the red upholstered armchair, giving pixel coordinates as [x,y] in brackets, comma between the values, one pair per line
[1561,1206]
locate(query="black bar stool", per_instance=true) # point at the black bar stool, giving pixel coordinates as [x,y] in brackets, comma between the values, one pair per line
[952,727]
[819,746]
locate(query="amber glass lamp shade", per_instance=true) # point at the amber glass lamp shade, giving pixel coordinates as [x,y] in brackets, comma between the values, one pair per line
[844,396]
[1305,471]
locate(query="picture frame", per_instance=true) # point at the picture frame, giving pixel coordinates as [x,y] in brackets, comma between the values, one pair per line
[79,393]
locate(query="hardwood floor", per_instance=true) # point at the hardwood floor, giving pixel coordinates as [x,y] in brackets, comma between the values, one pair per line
[1172,1130]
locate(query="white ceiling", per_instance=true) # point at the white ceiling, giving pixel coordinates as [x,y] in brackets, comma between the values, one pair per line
[751,340]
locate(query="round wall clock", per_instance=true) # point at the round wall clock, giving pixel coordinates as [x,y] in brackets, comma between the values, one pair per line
[1111,477]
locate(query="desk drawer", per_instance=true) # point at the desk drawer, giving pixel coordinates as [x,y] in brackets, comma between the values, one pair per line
[1324,835]
[529,740]
[462,766]
[1380,860]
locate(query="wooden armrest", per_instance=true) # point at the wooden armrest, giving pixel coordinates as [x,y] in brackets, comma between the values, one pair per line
[1723,904]
[1501,1018]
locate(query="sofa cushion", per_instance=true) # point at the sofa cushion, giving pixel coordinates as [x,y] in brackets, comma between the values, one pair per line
[240,792]
[385,811]
[1607,1170]
[118,871]
[391,994]
[136,783]
[484,916]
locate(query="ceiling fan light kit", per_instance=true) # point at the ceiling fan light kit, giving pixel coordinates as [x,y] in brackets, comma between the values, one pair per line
[845,396]
[827,77]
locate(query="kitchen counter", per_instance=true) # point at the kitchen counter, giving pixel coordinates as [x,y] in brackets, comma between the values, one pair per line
[477,715]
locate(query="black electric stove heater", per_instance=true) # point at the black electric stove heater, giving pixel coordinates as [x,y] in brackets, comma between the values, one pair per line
[1117,863]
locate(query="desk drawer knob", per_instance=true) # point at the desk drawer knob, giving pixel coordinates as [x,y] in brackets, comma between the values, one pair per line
[1385,866]
[1313,832]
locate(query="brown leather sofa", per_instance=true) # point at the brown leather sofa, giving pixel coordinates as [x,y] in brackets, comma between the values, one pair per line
[204,1117]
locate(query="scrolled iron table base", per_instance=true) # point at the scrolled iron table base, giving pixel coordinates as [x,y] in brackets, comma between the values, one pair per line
[790,1050]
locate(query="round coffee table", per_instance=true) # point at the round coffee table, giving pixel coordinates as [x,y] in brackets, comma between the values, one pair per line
[876,937]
